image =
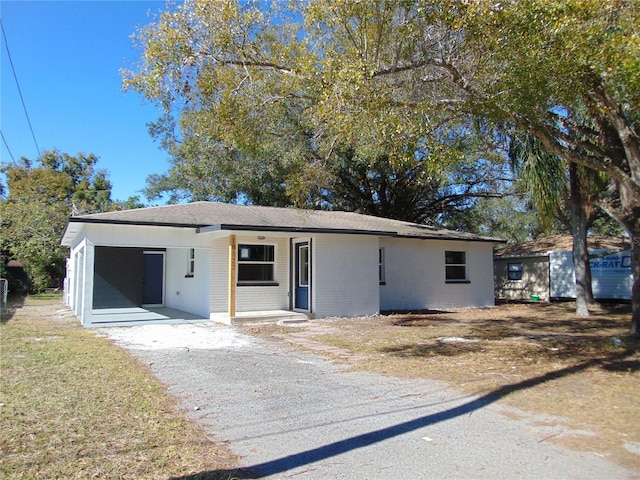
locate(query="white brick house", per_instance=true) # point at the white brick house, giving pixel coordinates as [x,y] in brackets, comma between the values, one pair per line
[228,262]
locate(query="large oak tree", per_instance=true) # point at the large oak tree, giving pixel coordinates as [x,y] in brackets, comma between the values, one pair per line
[259,106]
[282,89]
[566,72]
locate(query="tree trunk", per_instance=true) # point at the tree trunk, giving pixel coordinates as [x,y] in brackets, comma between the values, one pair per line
[628,214]
[635,288]
[582,268]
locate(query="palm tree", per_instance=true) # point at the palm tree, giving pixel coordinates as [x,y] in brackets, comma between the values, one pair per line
[556,188]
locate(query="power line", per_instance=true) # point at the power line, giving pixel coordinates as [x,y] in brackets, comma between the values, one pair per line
[7,145]
[15,76]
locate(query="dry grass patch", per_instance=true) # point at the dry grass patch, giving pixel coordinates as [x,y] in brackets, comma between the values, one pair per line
[72,405]
[536,357]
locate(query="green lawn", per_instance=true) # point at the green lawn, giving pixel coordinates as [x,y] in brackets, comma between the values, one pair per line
[73,405]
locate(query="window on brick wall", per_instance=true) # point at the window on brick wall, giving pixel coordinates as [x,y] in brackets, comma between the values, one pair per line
[256,264]
[456,266]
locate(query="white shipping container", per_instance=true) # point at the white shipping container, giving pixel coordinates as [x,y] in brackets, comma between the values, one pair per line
[611,276]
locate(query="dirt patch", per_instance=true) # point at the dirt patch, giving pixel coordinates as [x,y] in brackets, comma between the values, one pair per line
[585,372]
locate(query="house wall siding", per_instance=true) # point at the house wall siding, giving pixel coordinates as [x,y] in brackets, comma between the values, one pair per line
[415,275]
[249,298]
[219,261]
[345,275]
[535,279]
[252,298]
[189,294]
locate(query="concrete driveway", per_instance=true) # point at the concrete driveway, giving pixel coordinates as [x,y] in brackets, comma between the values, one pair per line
[291,414]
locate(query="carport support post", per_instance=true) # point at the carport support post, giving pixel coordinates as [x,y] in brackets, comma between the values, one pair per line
[86,308]
[233,268]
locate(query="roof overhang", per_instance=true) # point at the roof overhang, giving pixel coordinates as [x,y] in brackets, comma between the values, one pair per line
[289,230]
[522,256]
[454,239]
[76,224]
[71,231]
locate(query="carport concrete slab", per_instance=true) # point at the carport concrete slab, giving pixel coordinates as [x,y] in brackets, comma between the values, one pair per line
[105,317]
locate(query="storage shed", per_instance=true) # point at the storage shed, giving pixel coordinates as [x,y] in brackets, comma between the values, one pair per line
[543,269]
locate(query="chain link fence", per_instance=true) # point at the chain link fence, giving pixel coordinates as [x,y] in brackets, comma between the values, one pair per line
[4,292]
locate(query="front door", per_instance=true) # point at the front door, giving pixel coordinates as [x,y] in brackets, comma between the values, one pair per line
[153,278]
[302,276]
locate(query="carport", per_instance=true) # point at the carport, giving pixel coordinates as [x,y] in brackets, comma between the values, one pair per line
[129,316]
[124,316]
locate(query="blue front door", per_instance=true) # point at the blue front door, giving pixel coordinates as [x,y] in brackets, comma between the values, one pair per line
[302,276]
[153,278]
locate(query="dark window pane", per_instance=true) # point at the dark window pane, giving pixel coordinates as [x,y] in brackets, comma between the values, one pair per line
[256,253]
[255,272]
[455,258]
[515,271]
[456,273]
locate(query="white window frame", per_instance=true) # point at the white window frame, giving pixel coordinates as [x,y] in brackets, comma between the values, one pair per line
[191,262]
[273,281]
[302,272]
[381,267]
[456,265]
[515,271]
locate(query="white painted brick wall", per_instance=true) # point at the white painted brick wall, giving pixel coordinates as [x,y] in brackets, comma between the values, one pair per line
[144,236]
[189,294]
[415,275]
[345,275]
[249,298]
[268,297]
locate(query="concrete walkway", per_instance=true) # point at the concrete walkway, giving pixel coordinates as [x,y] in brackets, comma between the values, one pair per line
[290,414]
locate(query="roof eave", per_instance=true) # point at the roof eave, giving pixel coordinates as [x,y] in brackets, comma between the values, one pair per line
[275,228]
[453,238]
[204,228]
[146,223]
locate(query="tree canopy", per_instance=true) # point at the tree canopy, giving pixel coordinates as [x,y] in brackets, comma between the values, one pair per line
[41,196]
[261,105]
[299,96]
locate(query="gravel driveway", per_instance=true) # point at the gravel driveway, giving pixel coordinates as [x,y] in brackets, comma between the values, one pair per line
[290,414]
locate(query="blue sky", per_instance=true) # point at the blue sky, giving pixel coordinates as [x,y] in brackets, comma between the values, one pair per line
[67,56]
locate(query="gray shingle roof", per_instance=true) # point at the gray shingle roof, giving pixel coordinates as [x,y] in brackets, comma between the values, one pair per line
[223,216]
[561,242]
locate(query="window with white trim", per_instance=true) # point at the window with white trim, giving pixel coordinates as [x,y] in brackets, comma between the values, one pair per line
[515,271]
[256,264]
[455,266]
[381,273]
[191,262]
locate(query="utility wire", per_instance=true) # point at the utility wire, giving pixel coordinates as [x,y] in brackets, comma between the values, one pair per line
[7,145]
[6,45]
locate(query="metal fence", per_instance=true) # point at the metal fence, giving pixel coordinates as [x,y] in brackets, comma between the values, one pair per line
[4,292]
